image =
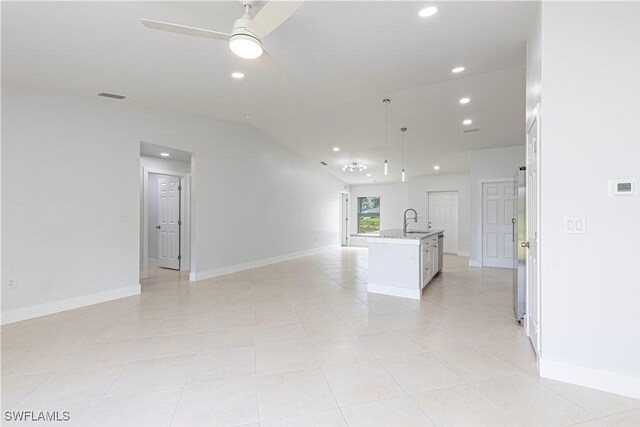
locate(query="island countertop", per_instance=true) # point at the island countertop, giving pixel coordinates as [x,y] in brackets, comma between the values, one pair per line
[397,233]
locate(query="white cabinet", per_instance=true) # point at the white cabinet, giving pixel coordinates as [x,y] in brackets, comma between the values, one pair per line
[429,260]
[434,260]
[402,264]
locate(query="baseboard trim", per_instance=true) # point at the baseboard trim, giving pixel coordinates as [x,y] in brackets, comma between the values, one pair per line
[358,242]
[67,304]
[463,253]
[475,263]
[394,291]
[208,274]
[611,382]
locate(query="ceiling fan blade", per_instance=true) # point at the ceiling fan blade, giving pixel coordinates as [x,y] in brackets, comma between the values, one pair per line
[268,63]
[272,15]
[183,29]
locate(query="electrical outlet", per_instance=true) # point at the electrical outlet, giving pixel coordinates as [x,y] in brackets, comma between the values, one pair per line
[12,282]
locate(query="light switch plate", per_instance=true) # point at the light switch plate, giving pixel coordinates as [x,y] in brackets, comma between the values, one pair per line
[575,225]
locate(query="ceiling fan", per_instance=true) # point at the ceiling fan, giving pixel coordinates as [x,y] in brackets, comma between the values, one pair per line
[245,40]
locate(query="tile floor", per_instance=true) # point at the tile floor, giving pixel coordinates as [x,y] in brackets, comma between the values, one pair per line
[299,343]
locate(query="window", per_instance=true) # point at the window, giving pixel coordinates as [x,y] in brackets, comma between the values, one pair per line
[368,214]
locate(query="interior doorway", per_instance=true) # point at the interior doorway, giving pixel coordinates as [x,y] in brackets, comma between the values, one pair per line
[443,215]
[165,220]
[498,208]
[344,218]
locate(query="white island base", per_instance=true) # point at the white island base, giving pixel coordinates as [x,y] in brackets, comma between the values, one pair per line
[402,265]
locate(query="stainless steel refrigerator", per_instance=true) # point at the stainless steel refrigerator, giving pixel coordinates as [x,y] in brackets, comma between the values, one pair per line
[520,253]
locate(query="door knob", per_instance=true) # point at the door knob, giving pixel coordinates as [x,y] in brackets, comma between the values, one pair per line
[158,227]
[524,244]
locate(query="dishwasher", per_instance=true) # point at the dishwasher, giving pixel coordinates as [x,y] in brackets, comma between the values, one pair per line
[440,250]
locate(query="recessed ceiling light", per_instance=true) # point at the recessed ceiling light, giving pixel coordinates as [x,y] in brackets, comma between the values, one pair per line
[247,117]
[467,122]
[458,70]
[165,154]
[428,11]
[336,149]
[436,167]
[237,75]
[368,174]
[464,100]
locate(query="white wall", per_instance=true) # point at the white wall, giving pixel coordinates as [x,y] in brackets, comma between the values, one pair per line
[70,171]
[164,163]
[152,203]
[590,282]
[533,69]
[489,164]
[396,197]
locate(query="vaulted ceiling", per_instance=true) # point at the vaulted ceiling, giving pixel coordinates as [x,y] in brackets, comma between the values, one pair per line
[342,59]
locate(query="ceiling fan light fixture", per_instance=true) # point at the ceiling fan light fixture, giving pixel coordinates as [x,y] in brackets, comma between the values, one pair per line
[245,46]
[354,167]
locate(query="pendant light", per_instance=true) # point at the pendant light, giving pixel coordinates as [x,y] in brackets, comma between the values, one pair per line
[404,130]
[386,103]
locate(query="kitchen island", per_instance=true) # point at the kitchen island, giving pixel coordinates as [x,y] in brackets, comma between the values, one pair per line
[402,264]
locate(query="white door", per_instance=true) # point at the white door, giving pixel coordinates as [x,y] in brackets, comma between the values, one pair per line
[533,285]
[169,222]
[344,219]
[498,208]
[443,215]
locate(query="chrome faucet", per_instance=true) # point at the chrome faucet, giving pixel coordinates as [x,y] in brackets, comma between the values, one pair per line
[415,219]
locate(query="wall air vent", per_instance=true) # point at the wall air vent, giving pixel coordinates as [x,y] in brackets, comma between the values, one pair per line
[468,129]
[324,163]
[111,95]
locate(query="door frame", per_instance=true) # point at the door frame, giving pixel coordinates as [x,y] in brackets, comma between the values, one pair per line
[457,213]
[344,225]
[186,240]
[480,193]
[538,350]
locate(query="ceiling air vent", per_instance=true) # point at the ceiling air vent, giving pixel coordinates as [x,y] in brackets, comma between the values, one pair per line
[111,95]
[469,129]
[324,163]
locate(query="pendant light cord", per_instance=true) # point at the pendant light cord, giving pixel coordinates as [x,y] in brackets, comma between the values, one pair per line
[403,132]
[386,103]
